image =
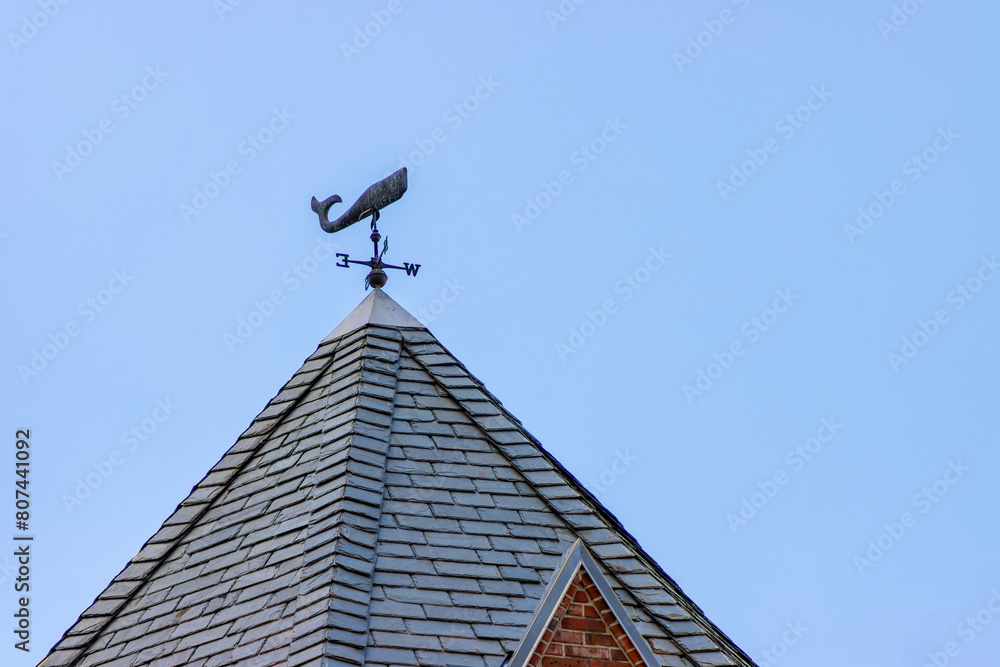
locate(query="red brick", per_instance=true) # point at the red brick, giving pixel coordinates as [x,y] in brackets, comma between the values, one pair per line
[596,639]
[599,652]
[618,655]
[590,612]
[563,662]
[555,649]
[575,610]
[592,625]
[569,637]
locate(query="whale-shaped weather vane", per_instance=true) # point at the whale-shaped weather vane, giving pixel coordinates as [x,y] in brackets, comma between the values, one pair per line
[375,198]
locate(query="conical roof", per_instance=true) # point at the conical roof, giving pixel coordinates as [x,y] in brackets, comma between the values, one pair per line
[384,509]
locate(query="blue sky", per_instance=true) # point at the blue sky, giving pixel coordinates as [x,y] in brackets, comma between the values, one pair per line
[733,263]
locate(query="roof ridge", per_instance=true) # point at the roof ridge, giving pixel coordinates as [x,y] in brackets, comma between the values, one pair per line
[694,612]
[334,592]
[156,550]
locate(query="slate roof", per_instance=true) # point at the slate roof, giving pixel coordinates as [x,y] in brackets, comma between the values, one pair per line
[383,509]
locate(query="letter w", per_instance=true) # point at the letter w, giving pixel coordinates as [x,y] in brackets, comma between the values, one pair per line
[411,269]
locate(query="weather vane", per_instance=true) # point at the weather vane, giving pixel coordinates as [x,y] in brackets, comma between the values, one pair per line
[374,198]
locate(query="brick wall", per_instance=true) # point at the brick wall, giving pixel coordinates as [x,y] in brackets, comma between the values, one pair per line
[584,632]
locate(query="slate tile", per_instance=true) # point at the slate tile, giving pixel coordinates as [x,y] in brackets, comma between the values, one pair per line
[501,587]
[484,528]
[507,437]
[515,573]
[473,499]
[520,450]
[451,416]
[404,466]
[449,553]
[486,458]
[443,482]
[538,560]
[400,640]
[494,486]
[415,454]
[396,609]
[493,631]
[496,514]
[457,540]
[638,581]
[391,656]
[584,521]
[451,511]
[431,428]
[473,646]
[428,523]
[514,544]
[417,596]
[451,659]
[394,549]
[439,628]
[541,518]
[556,493]
[413,414]
[497,557]
[533,532]
[392,579]
[411,440]
[444,583]
[483,601]
[450,613]
[418,494]
[407,565]
[405,536]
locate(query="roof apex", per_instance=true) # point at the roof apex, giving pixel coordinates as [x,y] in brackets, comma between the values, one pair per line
[376,308]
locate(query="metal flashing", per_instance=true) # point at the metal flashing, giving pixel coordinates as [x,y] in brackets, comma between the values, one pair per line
[378,308]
